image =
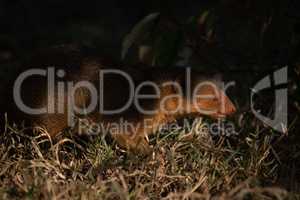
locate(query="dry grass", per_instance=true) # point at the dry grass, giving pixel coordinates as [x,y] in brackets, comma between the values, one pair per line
[182,166]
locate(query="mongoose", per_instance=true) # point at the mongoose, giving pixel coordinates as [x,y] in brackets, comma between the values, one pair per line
[168,101]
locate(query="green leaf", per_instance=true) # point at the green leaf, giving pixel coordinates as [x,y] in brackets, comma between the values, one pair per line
[138,31]
[204,17]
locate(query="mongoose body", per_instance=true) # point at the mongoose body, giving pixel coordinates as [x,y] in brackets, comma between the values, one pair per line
[168,103]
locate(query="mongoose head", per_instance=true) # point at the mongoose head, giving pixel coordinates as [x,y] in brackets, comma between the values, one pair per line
[210,99]
[202,94]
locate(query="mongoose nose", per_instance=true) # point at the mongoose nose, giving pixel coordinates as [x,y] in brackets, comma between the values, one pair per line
[231,108]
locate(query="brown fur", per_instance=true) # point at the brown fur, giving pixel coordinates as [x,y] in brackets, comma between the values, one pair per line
[34,94]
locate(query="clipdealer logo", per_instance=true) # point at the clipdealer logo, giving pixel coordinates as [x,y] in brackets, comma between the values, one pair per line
[279,122]
[280,78]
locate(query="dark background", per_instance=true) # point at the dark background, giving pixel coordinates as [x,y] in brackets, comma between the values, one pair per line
[100,26]
[27,24]
[31,24]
